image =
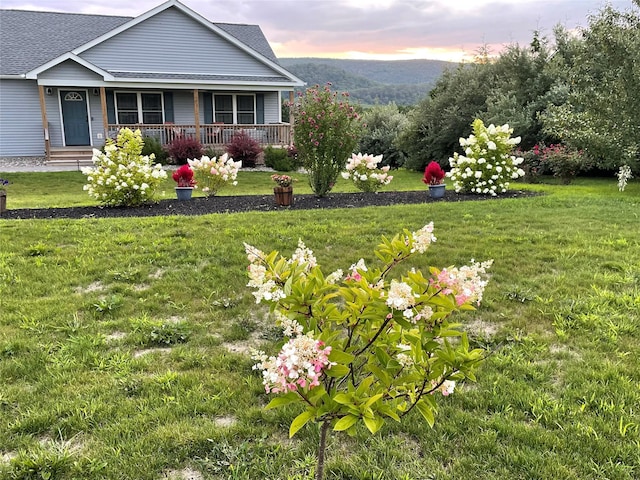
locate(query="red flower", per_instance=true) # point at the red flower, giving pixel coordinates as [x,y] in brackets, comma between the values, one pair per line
[433,174]
[184,176]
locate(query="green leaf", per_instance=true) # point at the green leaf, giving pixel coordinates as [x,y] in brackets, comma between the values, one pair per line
[343,399]
[426,412]
[340,357]
[380,374]
[373,400]
[345,423]
[373,424]
[337,371]
[283,400]
[300,421]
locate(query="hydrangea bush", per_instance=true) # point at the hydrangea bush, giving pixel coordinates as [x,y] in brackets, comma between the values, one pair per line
[121,175]
[487,166]
[214,173]
[367,344]
[365,174]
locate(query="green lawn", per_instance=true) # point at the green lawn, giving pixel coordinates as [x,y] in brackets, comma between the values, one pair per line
[123,342]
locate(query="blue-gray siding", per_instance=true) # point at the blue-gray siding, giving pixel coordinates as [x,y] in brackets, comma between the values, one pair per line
[71,71]
[172,42]
[271,107]
[21,132]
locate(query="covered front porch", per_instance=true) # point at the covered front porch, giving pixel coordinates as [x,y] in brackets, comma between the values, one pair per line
[82,118]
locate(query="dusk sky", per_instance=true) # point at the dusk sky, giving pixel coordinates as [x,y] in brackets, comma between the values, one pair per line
[370,29]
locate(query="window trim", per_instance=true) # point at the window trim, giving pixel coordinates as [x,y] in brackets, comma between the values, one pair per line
[140,112]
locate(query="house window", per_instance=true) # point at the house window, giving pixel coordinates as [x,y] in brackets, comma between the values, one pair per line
[133,106]
[235,109]
[223,105]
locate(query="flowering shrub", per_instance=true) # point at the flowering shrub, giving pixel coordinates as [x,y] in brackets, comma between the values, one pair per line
[624,175]
[214,173]
[184,176]
[363,171]
[564,162]
[361,346]
[183,148]
[532,164]
[487,166]
[3,184]
[433,174]
[121,175]
[283,180]
[326,130]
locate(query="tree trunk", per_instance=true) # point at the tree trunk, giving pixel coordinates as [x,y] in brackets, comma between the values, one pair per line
[321,449]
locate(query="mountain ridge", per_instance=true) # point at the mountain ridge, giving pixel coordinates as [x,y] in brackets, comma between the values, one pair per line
[404,82]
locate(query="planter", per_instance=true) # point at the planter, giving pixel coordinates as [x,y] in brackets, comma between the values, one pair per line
[284,196]
[184,193]
[437,191]
[3,202]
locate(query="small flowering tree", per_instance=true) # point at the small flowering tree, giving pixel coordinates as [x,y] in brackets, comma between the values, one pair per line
[365,174]
[326,130]
[214,173]
[364,347]
[487,166]
[121,175]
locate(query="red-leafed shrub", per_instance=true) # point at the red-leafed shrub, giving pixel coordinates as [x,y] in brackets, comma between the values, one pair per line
[245,149]
[182,148]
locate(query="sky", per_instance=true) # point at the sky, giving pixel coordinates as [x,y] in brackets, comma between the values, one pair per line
[452,30]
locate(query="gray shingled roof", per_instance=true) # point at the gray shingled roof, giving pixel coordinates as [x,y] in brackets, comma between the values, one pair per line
[29,39]
[201,77]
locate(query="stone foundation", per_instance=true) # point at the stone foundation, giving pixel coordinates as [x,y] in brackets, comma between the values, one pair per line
[22,161]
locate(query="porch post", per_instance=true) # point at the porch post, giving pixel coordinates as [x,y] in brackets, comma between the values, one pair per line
[105,117]
[196,111]
[45,123]
[291,116]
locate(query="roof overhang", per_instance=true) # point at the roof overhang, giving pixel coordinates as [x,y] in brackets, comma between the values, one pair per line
[33,74]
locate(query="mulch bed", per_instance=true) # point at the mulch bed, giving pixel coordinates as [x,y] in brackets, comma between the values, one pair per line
[251,203]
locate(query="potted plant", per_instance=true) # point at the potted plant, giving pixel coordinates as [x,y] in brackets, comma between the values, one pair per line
[184,178]
[434,177]
[3,195]
[284,189]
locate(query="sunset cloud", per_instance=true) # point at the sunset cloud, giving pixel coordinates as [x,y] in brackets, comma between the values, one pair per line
[381,29]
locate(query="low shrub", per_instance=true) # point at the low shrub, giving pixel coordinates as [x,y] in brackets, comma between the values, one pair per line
[278,159]
[214,173]
[153,146]
[365,174]
[182,148]
[564,162]
[121,175]
[244,149]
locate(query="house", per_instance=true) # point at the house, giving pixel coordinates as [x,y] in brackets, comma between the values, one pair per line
[68,81]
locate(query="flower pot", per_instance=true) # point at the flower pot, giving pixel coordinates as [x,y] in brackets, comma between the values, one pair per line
[184,193]
[284,196]
[437,191]
[3,202]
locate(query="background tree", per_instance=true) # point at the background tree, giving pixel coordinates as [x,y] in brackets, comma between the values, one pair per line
[601,113]
[383,124]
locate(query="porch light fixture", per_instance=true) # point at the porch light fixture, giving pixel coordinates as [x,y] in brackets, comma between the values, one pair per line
[96,92]
[49,91]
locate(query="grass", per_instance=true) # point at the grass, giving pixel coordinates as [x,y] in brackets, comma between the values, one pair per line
[123,342]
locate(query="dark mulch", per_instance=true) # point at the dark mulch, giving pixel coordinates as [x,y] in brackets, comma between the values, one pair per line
[247,203]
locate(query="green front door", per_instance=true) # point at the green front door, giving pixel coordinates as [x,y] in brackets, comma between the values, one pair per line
[75,117]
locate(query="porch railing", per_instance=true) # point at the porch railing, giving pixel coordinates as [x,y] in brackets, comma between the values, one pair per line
[212,134]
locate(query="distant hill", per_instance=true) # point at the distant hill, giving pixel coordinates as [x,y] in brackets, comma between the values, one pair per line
[404,82]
